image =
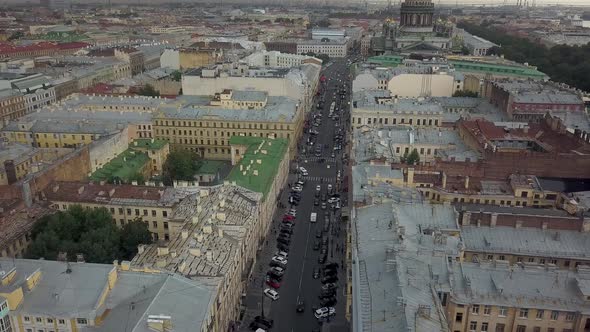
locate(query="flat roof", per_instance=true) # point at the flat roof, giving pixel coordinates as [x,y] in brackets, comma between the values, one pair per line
[149,143]
[123,167]
[527,241]
[251,174]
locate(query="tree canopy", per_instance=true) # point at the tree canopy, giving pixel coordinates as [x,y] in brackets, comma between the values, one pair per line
[91,232]
[180,165]
[148,90]
[562,63]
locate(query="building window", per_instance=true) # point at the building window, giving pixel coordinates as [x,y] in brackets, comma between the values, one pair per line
[570,316]
[540,314]
[164,213]
[165,225]
[554,315]
[27,318]
[500,327]
[473,326]
[155,224]
[487,309]
[38,319]
[503,311]
[523,313]
[459,317]
[153,213]
[536,329]
[61,321]
[50,320]
[82,321]
[484,327]
[475,309]
[521,328]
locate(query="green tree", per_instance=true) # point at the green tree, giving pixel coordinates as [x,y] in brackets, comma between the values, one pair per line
[176,75]
[148,90]
[180,165]
[324,57]
[136,232]
[413,158]
[91,232]
[465,93]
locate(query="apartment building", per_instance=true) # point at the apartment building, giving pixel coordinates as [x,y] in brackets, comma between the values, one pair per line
[218,240]
[36,88]
[155,206]
[378,108]
[17,223]
[279,60]
[205,125]
[41,295]
[332,48]
[299,83]
[133,56]
[16,161]
[67,129]
[12,106]
[499,298]
[530,100]
[190,57]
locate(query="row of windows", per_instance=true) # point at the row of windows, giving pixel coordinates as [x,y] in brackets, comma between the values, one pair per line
[566,263]
[419,122]
[60,321]
[522,313]
[501,327]
[233,125]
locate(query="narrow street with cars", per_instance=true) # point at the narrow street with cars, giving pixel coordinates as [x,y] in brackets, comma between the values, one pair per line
[299,280]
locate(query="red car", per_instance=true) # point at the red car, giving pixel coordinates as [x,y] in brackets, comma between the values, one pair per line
[272,282]
[288,217]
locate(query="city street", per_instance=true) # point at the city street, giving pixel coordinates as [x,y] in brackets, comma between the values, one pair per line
[298,282]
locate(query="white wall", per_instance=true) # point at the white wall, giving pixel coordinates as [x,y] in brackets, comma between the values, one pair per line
[196,86]
[411,85]
[171,59]
[365,81]
[104,150]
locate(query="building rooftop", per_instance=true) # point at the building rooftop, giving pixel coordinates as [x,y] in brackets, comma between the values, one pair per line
[398,264]
[259,164]
[381,100]
[242,95]
[149,143]
[527,241]
[534,92]
[15,151]
[16,222]
[89,192]
[215,221]
[527,286]
[277,109]
[124,167]
[187,301]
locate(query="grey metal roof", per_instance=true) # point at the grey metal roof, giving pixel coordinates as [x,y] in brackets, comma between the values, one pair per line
[527,241]
[520,287]
[242,95]
[139,295]
[277,109]
[486,208]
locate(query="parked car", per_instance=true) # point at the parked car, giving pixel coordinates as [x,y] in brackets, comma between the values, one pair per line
[288,231]
[282,246]
[283,241]
[322,259]
[274,283]
[266,321]
[273,294]
[324,312]
[332,266]
[329,279]
[255,326]
[328,302]
[316,202]
[273,275]
[277,270]
[283,254]
[328,292]
[329,286]
[318,233]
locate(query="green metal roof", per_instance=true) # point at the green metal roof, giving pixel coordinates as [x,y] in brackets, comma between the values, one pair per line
[124,166]
[145,143]
[387,60]
[484,67]
[263,155]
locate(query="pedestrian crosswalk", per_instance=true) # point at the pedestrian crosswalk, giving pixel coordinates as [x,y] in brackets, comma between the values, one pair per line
[316,159]
[323,179]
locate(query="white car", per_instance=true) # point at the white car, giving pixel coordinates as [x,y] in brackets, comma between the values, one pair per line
[318,188]
[273,294]
[282,254]
[329,187]
[302,170]
[292,212]
[297,188]
[333,200]
[280,259]
[324,312]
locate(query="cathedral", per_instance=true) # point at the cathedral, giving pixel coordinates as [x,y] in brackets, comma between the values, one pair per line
[416,31]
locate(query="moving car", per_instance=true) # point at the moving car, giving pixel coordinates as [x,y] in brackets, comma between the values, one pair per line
[316,245]
[318,188]
[324,206]
[316,273]
[313,217]
[271,293]
[324,312]
[300,305]
[316,202]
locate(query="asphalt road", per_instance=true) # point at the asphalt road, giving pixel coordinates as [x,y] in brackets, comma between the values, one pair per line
[298,282]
